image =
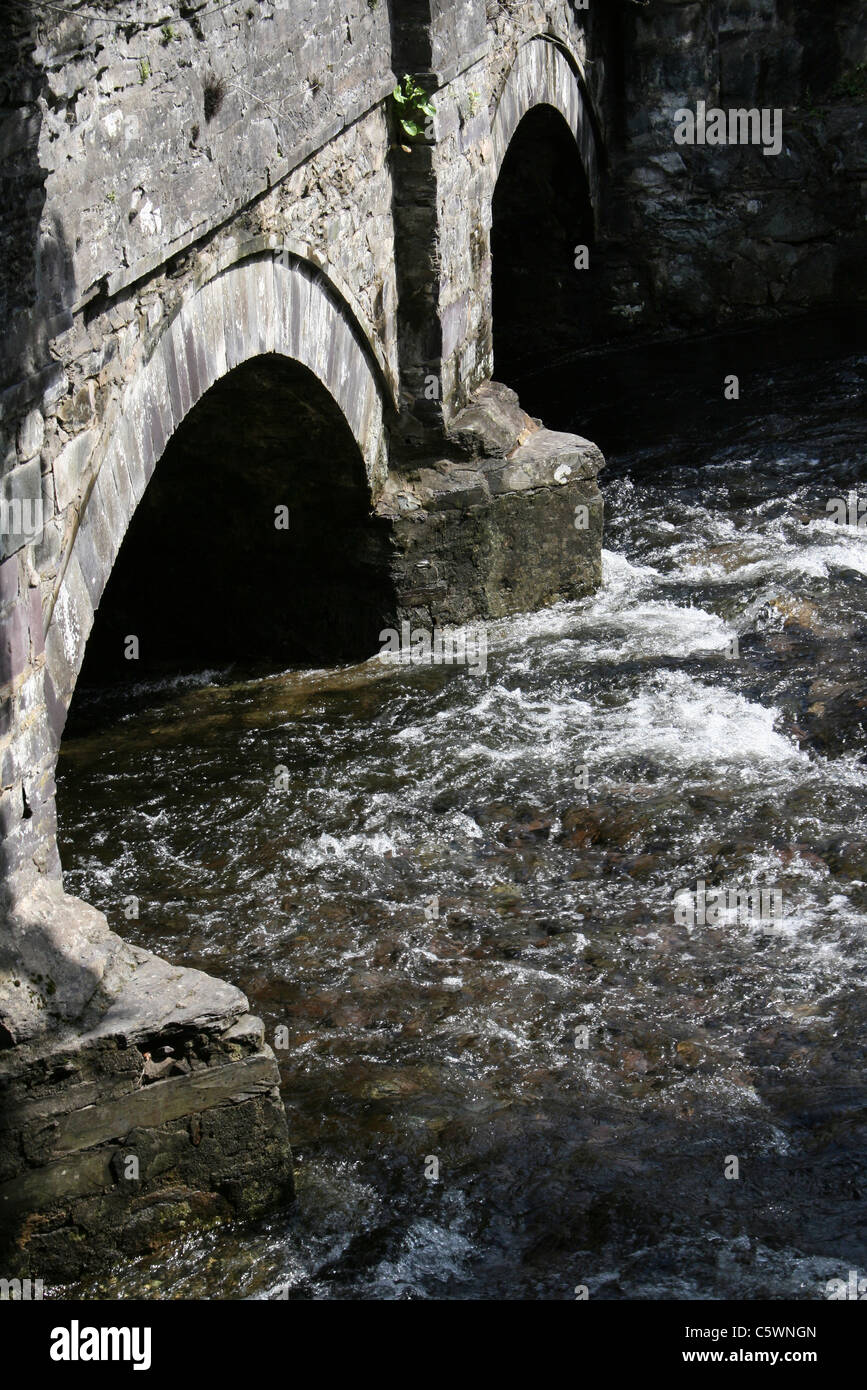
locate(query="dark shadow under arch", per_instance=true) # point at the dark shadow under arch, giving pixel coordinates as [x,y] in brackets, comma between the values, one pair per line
[542,304]
[204,576]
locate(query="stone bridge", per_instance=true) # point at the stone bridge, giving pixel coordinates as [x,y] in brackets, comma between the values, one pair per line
[251,291]
[237,289]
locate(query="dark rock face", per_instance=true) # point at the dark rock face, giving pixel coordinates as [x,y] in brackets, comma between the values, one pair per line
[135,1167]
[702,236]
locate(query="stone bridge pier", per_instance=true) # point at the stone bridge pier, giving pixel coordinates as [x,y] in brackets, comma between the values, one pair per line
[237,289]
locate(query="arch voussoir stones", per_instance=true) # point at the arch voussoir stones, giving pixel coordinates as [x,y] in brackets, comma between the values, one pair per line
[543,74]
[258,307]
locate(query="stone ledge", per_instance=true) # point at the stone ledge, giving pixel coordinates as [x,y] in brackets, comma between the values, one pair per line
[493,424]
[162,1101]
[71,969]
[549,458]
[38,1187]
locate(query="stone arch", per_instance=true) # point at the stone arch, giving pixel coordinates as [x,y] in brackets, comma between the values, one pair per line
[273,304]
[544,73]
[544,206]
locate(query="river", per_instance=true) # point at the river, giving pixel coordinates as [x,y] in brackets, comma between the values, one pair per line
[516,1068]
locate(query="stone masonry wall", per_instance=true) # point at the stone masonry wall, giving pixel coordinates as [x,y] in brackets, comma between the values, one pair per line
[153,126]
[698,237]
[145,153]
[146,184]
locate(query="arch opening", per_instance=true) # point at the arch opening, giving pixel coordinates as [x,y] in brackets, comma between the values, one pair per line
[211,572]
[542,302]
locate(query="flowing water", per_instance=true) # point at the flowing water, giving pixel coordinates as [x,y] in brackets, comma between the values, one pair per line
[483,961]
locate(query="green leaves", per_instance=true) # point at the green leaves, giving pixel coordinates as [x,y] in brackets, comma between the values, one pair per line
[414,107]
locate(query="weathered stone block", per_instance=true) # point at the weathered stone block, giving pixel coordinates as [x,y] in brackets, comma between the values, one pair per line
[501,534]
[31,433]
[163,1101]
[15,642]
[9,570]
[94,550]
[37,631]
[70,468]
[210,1139]
[22,510]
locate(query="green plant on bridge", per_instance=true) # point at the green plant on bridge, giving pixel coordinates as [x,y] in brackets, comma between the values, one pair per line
[414,107]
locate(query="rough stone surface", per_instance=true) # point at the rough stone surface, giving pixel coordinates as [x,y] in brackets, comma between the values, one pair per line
[119,1152]
[118,1054]
[698,236]
[512,526]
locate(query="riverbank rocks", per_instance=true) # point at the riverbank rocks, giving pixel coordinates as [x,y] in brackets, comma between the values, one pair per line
[836,718]
[137,1098]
